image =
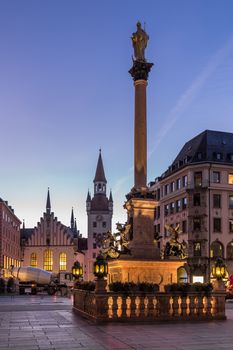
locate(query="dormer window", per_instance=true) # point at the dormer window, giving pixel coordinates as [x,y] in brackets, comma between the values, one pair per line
[217,155]
[199,156]
[230,156]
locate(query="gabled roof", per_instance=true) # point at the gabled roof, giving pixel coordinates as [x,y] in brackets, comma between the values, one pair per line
[99,174]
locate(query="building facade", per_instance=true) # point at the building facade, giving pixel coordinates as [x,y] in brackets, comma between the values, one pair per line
[10,253]
[196,192]
[99,217]
[50,245]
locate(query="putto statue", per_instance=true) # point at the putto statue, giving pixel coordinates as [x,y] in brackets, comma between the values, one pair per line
[139,40]
[174,247]
[114,244]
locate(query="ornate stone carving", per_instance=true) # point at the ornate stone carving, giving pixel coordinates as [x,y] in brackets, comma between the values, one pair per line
[174,247]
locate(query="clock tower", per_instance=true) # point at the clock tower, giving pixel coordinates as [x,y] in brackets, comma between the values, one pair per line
[99,215]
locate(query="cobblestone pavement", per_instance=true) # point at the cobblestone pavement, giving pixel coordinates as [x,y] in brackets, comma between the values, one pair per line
[34,327]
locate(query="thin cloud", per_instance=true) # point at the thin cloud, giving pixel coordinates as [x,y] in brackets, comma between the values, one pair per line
[191,93]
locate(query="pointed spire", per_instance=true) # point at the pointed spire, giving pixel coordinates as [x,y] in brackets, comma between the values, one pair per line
[48,204]
[88,196]
[23,224]
[110,196]
[75,225]
[72,219]
[99,174]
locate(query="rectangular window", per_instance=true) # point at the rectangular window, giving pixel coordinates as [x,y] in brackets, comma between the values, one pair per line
[197,199]
[231,226]
[104,224]
[94,234]
[94,245]
[172,187]
[217,200]
[198,179]
[184,226]
[197,224]
[217,225]
[178,205]
[216,177]
[158,194]
[166,209]
[158,213]
[93,255]
[231,202]
[230,179]
[166,189]
[172,208]
[185,181]
[178,184]
[184,203]
[94,224]
[197,249]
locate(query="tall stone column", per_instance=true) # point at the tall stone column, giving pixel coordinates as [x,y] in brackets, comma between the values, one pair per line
[139,72]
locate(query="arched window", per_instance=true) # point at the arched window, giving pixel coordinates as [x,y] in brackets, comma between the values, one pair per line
[63,261]
[216,250]
[230,250]
[48,260]
[33,260]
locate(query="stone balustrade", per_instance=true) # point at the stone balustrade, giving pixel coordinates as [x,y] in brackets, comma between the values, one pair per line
[149,307]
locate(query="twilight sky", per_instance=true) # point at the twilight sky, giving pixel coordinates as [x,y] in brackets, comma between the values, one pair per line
[65,92]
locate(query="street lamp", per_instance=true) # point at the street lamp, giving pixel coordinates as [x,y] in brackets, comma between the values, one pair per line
[100,267]
[219,269]
[77,270]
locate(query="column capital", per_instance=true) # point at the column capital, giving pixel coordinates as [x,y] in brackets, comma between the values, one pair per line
[140,70]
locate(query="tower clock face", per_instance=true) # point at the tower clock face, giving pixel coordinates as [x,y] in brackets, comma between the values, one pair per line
[99,218]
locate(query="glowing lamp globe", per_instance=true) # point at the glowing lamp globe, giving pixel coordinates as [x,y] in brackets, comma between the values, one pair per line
[100,267]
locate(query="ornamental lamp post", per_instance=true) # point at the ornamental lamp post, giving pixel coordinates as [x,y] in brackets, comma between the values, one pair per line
[219,269]
[219,273]
[100,272]
[77,270]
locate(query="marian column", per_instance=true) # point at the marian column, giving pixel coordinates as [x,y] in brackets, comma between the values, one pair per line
[140,201]
[139,72]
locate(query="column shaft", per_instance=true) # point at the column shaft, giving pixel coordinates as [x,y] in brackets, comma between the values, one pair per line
[140,135]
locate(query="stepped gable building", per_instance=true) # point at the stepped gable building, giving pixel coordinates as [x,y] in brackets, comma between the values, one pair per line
[10,253]
[50,245]
[99,217]
[196,192]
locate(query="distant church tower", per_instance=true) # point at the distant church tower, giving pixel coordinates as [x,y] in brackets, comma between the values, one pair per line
[99,215]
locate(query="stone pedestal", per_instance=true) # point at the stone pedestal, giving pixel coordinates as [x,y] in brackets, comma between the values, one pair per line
[160,272]
[141,212]
[101,285]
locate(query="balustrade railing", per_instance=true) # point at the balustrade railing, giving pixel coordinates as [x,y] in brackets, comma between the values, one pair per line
[143,307]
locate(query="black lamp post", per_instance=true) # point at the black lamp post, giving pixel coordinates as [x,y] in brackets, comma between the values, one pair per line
[77,270]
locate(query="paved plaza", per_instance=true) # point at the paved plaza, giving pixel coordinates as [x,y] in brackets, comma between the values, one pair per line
[43,322]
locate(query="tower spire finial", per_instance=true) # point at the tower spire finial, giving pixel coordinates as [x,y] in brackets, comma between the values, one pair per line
[99,174]
[72,219]
[48,204]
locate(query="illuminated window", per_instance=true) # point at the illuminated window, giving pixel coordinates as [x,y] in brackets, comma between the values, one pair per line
[48,260]
[230,179]
[33,262]
[63,261]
